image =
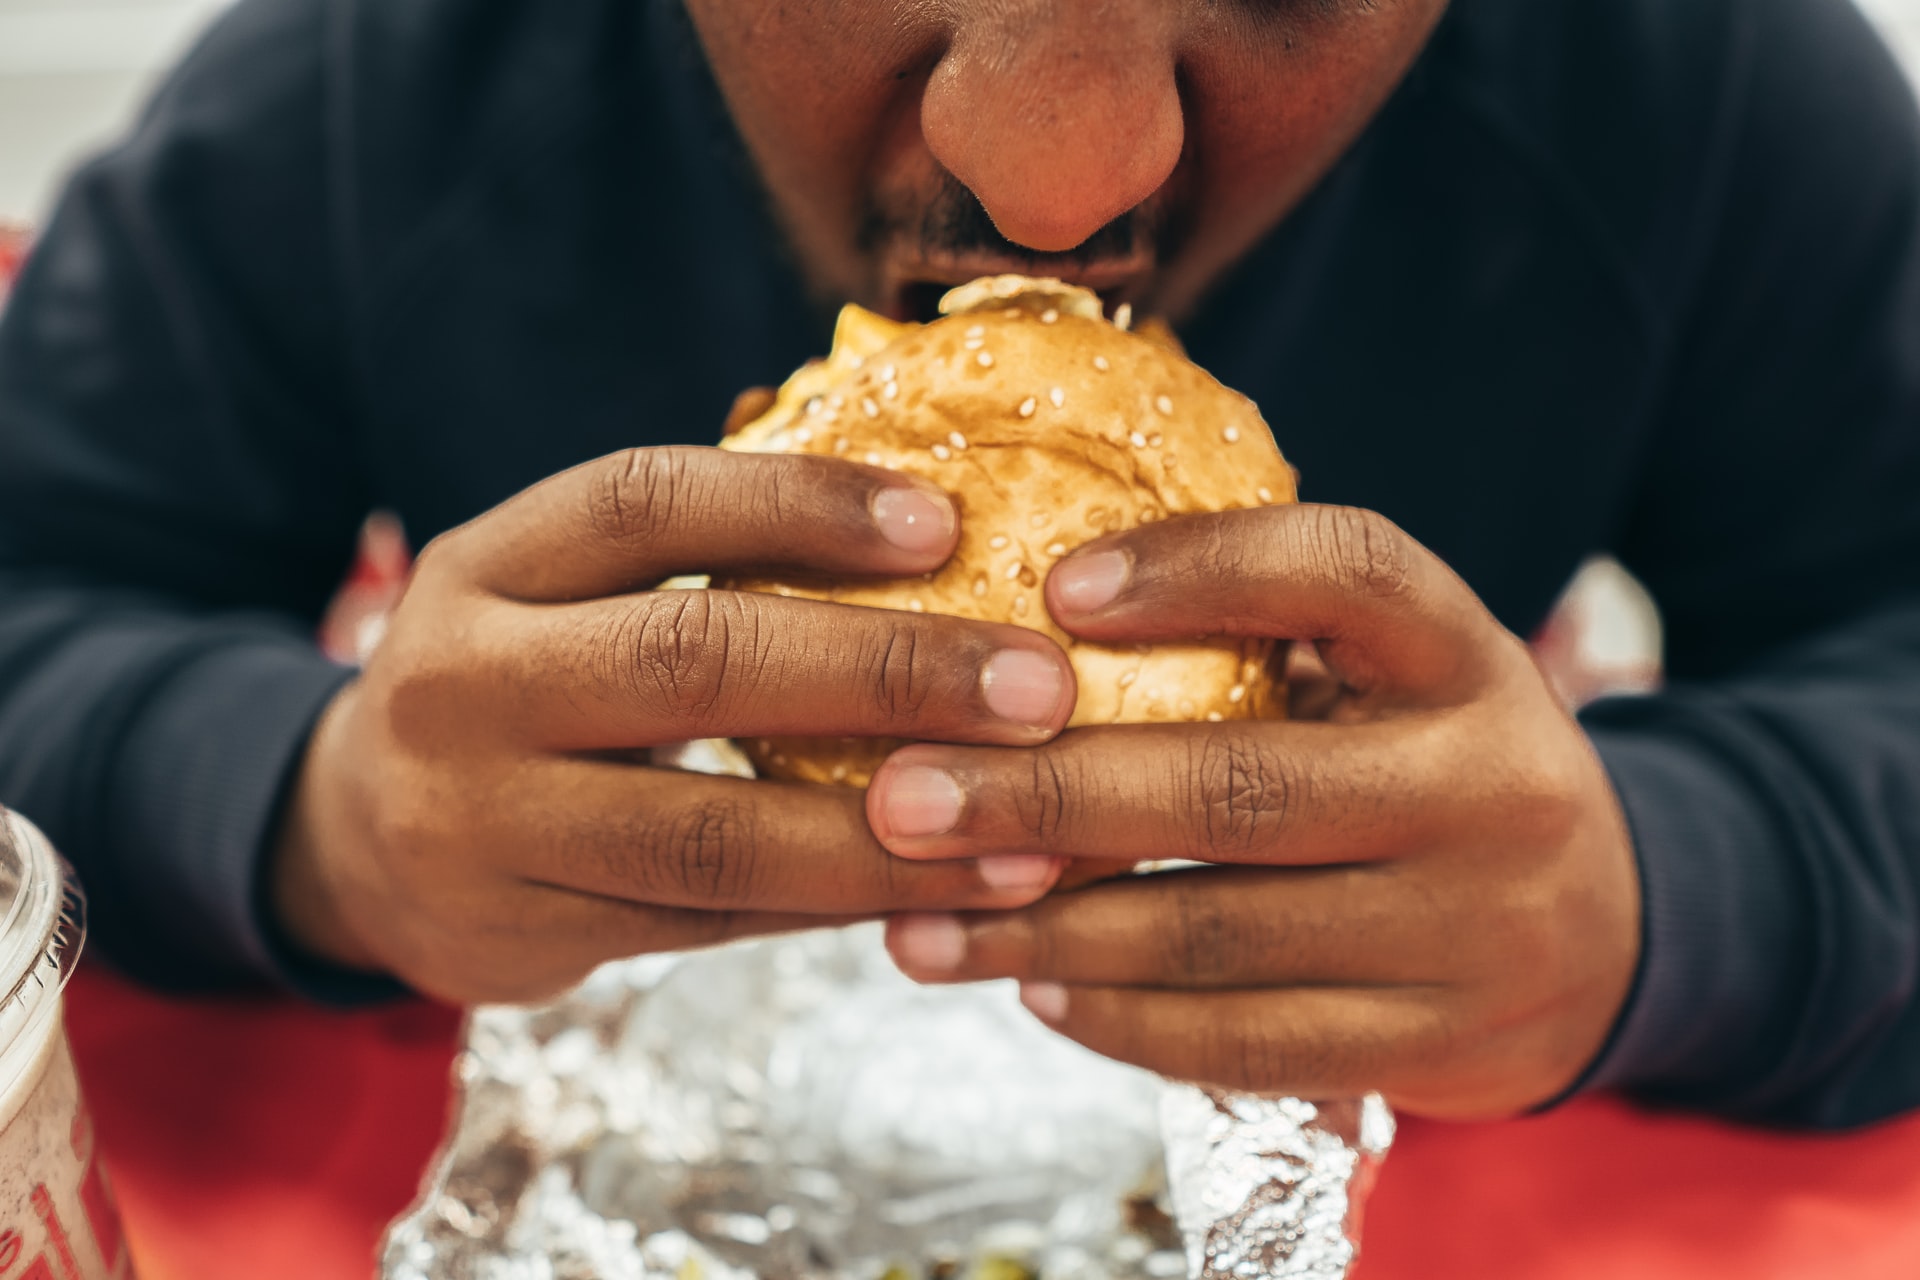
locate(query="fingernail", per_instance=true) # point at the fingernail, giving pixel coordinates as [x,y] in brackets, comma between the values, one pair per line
[1047,1001]
[929,943]
[920,801]
[913,519]
[1085,583]
[1023,686]
[1016,870]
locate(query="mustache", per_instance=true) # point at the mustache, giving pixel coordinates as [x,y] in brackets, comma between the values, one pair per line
[954,222]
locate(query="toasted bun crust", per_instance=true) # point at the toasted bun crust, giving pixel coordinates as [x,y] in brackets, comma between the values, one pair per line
[1050,426]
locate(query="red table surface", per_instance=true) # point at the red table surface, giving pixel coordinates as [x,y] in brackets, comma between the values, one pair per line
[258,1138]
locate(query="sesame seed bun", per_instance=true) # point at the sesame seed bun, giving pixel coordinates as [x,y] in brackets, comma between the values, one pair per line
[1050,426]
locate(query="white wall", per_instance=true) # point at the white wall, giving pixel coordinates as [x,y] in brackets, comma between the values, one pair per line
[71,73]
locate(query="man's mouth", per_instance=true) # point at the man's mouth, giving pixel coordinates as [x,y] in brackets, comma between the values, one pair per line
[912,289]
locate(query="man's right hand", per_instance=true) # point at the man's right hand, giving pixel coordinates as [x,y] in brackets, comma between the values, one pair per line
[470,817]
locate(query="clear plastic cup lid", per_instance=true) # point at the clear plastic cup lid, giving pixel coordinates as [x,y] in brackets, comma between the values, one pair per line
[42,927]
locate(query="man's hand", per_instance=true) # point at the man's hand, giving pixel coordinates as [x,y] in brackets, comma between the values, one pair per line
[1431,892]
[470,816]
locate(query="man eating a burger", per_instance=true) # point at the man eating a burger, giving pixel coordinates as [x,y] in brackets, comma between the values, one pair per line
[1512,282]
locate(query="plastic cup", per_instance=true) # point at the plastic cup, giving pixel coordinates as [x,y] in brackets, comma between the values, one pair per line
[57,1217]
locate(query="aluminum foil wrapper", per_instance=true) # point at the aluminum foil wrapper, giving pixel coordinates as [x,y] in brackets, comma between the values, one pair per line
[794,1108]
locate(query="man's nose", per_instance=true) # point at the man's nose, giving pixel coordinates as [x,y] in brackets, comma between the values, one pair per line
[1059,117]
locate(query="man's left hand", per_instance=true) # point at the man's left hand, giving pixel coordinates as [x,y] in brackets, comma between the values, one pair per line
[1431,892]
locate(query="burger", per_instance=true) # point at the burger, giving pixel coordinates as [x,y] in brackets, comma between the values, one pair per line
[1050,425]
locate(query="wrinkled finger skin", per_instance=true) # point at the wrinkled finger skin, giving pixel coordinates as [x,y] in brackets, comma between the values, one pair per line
[1430,891]
[472,815]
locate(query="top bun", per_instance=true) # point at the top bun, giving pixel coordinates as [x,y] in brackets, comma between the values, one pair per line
[1050,426]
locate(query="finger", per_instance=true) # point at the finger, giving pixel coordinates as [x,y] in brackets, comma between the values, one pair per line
[1203,929]
[1312,1042]
[1249,792]
[674,839]
[669,666]
[552,938]
[629,520]
[1383,610]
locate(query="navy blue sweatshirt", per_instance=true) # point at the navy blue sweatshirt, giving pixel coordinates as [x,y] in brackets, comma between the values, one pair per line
[1627,276]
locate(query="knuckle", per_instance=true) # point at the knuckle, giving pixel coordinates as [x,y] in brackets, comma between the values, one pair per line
[684,653]
[633,494]
[1044,807]
[898,665]
[1366,552]
[1245,792]
[1206,943]
[706,852]
[1252,1059]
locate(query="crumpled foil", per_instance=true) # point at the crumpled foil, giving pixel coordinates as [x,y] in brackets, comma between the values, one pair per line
[1270,1186]
[796,1109]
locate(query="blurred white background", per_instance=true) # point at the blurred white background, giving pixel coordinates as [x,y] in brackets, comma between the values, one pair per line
[72,71]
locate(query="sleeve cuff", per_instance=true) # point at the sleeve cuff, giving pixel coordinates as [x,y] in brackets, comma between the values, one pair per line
[1723,934]
[205,772]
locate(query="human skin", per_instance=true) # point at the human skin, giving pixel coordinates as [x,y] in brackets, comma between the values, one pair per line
[1429,891]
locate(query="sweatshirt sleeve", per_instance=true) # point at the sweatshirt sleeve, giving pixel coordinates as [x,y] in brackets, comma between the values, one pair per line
[1773,787]
[179,494]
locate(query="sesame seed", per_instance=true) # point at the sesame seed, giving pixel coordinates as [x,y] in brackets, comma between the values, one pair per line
[957,440]
[1100,363]
[1214,717]
[841,444]
[979,585]
[836,401]
[1019,606]
[1039,519]
[889,391]
[1027,407]
[867,405]
[1127,678]
[1058,397]
[888,374]
[839,773]
[1266,494]
[872,459]
[813,406]
[986,359]
[1163,403]
[804,435]
[974,342]
[1049,316]
[1056,548]
[1123,316]
[1231,435]
[1156,440]
[766,744]
[975,330]
[941,452]
[1139,440]
[1148,515]
[1236,693]
[1013,570]
[917,605]
[999,541]
[857,361]
[779,759]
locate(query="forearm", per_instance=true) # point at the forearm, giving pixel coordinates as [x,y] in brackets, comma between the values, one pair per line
[1776,817]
